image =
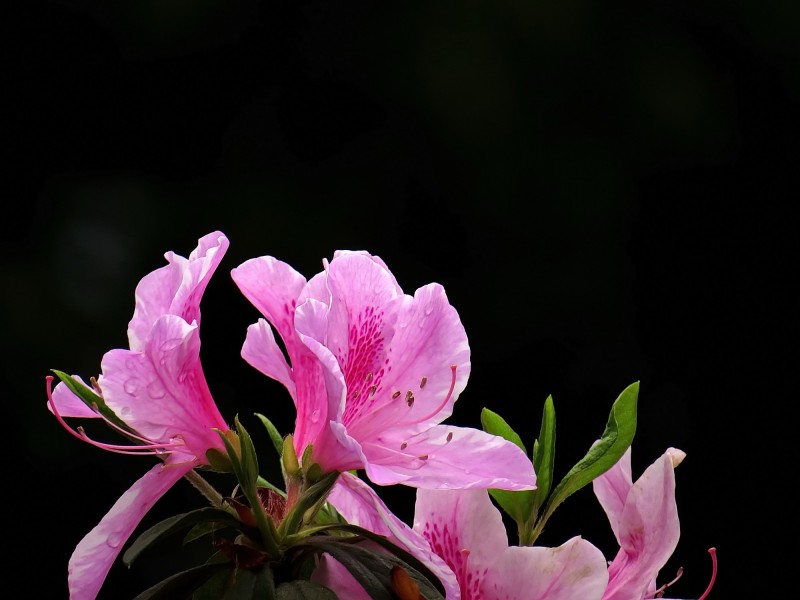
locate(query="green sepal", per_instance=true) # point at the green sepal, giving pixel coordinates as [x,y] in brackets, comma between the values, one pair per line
[249,459]
[604,454]
[221,463]
[274,435]
[181,584]
[516,504]
[372,570]
[311,500]
[304,590]
[91,399]
[175,524]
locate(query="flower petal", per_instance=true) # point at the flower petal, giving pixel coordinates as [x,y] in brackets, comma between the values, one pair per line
[648,530]
[97,551]
[576,570]
[447,457]
[176,288]
[162,392]
[261,351]
[612,488]
[360,505]
[68,404]
[273,287]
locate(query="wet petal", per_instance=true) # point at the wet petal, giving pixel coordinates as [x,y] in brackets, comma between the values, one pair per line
[97,551]
[576,570]
[446,457]
[161,392]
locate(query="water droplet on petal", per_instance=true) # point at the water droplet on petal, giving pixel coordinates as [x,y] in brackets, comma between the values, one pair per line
[156,390]
[315,416]
[131,386]
[428,309]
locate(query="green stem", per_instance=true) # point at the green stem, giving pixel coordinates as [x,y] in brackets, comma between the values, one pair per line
[205,488]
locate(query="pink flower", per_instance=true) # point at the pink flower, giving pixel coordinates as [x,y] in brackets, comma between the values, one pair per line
[644,519]
[158,389]
[463,530]
[373,372]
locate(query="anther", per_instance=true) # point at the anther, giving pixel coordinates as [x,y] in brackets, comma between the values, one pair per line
[372,390]
[355,394]
[423,457]
[369,377]
[404,445]
[396,395]
[423,382]
[449,437]
[410,398]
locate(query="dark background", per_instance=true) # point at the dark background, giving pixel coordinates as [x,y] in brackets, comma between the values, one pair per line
[605,189]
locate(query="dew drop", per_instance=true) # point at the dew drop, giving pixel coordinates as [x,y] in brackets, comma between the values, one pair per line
[156,390]
[428,309]
[315,416]
[131,386]
[125,412]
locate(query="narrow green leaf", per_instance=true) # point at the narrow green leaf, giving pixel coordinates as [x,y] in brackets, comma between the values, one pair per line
[274,435]
[173,525]
[616,439]
[516,504]
[497,425]
[304,590]
[181,584]
[92,400]
[544,452]
[246,584]
[249,460]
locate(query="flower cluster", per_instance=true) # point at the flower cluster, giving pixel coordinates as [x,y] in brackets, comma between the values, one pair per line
[373,373]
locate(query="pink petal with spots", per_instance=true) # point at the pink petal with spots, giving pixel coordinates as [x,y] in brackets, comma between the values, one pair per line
[649,530]
[447,457]
[175,289]
[162,392]
[97,551]
[68,404]
[576,570]
[465,529]
[360,505]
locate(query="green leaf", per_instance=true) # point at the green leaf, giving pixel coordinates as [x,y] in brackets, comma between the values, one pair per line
[249,459]
[372,570]
[497,425]
[516,504]
[181,584]
[173,525]
[91,399]
[249,585]
[616,439]
[404,556]
[544,452]
[274,435]
[304,590]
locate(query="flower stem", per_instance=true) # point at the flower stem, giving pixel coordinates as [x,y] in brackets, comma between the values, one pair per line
[205,488]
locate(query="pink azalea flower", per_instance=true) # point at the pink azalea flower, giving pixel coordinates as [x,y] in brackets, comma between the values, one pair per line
[373,372]
[464,530]
[644,519]
[158,389]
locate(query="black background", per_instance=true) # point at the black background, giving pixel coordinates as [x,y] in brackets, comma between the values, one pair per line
[605,189]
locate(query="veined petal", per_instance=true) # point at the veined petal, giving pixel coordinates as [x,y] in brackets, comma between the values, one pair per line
[175,288]
[612,488]
[447,457]
[261,351]
[649,530]
[465,529]
[162,392]
[97,551]
[360,505]
[576,570]
[273,287]
[68,404]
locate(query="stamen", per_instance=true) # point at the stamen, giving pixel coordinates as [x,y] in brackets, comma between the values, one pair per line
[410,398]
[659,593]
[355,394]
[449,437]
[396,395]
[713,553]
[438,408]
[372,390]
[149,448]
[404,445]
[369,377]
[423,457]
[423,382]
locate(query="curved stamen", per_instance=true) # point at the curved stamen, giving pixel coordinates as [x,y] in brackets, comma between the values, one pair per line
[442,405]
[147,448]
[713,553]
